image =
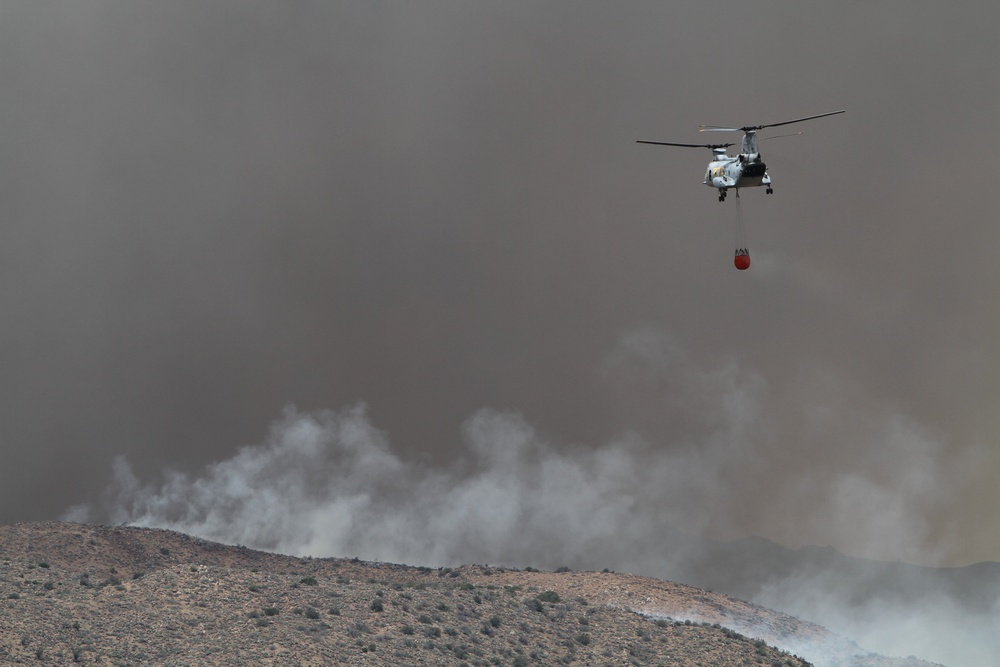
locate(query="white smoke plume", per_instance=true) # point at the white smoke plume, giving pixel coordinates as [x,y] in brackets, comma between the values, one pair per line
[330,483]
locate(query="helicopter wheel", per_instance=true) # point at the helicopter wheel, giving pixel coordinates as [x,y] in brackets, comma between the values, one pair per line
[770,191]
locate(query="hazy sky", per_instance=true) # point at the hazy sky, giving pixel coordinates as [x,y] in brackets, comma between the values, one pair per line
[437,210]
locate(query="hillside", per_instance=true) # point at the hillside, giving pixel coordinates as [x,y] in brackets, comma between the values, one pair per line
[125,596]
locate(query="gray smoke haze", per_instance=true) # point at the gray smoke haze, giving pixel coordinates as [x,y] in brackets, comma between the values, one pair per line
[210,212]
[331,483]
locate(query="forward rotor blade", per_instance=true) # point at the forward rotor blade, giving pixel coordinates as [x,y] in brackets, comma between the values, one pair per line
[719,128]
[667,143]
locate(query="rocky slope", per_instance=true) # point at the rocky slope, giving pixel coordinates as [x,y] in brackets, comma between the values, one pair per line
[127,596]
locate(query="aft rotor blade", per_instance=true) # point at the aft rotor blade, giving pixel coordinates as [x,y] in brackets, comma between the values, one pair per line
[779,136]
[753,128]
[667,143]
[797,120]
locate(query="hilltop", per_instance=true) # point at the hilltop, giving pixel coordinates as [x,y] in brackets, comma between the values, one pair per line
[122,596]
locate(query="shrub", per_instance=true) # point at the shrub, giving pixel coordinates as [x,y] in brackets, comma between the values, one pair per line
[270,611]
[548,596]
[377,605]
[582,638]
[308,581]
[311,613]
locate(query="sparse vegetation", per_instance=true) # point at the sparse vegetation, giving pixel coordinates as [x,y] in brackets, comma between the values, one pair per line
[214,605]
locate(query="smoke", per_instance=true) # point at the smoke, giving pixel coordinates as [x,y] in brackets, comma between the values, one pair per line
[925,619]
[328,483]
[331,483]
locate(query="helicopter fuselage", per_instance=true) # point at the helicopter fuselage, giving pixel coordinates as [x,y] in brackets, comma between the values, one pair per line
[745,170]
[742,171]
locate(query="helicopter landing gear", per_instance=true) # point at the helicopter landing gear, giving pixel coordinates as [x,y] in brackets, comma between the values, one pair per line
[769,191]
[722,194]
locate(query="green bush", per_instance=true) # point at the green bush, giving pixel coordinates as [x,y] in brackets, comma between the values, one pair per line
[548,596]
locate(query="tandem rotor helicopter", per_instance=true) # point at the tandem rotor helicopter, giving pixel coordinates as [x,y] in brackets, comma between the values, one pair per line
[745,170]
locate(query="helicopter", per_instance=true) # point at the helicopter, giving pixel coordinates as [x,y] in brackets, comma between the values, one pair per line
[740,171]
